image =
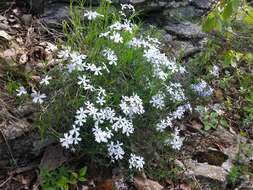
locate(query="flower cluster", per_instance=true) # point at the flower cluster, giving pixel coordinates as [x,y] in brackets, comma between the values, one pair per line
[136,162]
[157,101]
[202,89]
[176,142]
[131,105]
[111,114]
[36,96]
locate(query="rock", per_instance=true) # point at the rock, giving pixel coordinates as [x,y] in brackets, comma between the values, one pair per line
[53,157]
[183,48]
[206,170]
[185,30]
[138,1]
[212,157]
[180,14]
[55,15]
[146,184]
[202,4]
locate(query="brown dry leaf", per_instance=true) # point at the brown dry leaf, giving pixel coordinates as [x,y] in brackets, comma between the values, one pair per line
[49,47]
[8,54]
[5,35]
[196,125]
[219,94]
[146,184]
[23,58]
[20,40]
[105,185]
[183,187]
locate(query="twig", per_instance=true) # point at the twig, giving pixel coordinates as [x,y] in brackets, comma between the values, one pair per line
[23,169]
[8,179]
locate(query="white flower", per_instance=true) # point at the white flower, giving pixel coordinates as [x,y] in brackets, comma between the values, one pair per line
[164,123]
[77,61]
[179,113]
[215,71]
[177,141]
[92,15]
[109,114]
[116,37]
[131,105]
[71,67]
[202,88]
[110,56]
[80,117]
[21,91]
[115,150]
[127,6]
[38,97]
[83,80]
[45,80]
[64,54]
[101,136]
[75,134]
[124,124]
[101,91]
[91,110]
[136,162]
[67,140]
[94,68]
[104,34]
[100,100]
[176,92]
[157,101]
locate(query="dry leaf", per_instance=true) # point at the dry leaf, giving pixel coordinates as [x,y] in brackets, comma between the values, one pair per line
[5,35]
[219,94]
[105,185]
[9,53]
[23,59]
[196,125]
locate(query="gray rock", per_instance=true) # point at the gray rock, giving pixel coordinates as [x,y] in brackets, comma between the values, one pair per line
[185,30]
[206,170]
[183,48]
[183,13]
[55,15]
[202,4]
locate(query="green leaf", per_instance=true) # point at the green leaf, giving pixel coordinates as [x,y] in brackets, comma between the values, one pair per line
[209,23]
[83,171]
[230,9]
[82,179]
[75,175]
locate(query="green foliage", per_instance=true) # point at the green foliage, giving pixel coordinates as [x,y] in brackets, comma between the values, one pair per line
[230,48]
[61,178]
[211,118]
[221,15]
[12,86]
[234,174]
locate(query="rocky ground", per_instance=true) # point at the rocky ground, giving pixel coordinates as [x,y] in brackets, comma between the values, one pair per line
[27,37]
